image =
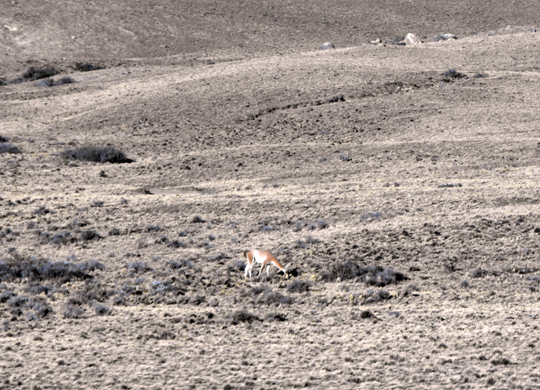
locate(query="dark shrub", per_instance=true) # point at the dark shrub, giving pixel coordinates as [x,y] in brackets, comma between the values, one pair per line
[500,361]
[34,73]
[40,307]
[86,67]
[114,232]
[101,310]
[321,223]
[37,289]
[343,270]
[452,73]
[6,295]
[371,275]
[45,83]
[176,244]
[161,287]
[7,147]
[64,80]
[182,264]
[90,235]
[384,277]
[95,154]
[197,219]
[243,316]
[375,295]
[275,317]
[138,266]
[197,299]
[298,286]
[3,139]
[366,314]
[40,269]
[153,228]
[17,301]
[62,238]
[218,258]
[478,273]
[71,311]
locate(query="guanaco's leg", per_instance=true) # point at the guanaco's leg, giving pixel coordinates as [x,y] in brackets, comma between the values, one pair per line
[262,266]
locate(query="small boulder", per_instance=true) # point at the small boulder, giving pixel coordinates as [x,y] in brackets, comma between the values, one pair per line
[444,37]
[376,41]
[412,39]
[327,45]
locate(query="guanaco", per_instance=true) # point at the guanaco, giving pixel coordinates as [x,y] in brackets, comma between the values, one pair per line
[265,258]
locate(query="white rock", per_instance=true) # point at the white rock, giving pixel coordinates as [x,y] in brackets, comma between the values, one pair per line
[412,39]
[327,45]
[444,37]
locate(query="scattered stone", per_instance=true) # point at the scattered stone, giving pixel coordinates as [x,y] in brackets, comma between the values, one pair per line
[444,37]
[449,185]
[412,39]
[344,157]
[376,41]
[327,45]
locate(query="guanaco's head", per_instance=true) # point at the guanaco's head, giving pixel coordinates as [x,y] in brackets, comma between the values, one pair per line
[286,272]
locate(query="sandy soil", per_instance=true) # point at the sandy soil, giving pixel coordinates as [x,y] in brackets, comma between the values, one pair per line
[403,198]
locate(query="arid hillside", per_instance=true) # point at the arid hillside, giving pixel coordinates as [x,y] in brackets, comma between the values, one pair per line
[144,148]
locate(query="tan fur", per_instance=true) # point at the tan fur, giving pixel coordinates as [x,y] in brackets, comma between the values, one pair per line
[265,258]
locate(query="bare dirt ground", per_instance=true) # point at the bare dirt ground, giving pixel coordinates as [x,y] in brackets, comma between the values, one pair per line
[402,196]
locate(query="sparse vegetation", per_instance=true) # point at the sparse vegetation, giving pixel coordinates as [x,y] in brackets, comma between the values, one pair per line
[95,154]
[7,147]
[35,73]
[86,67]
[453,74]
[39,269]
[299,286]
[242,316]
[371,275]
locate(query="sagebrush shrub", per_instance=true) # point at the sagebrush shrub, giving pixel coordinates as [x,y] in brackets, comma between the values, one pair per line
[86,67]
[7,147]
[34,73]
[95,154]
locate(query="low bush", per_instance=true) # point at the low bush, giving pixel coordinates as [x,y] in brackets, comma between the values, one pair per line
[101,310]
[86,67]
[263,294]
[242,316]
[161,287]
[272,316]
[33,73]
[95,154]
[63,238]
[7,147]
[371,275]
[452,73]
[90,235]
[182,264]
[38,269]
[298,286]
[64,80]
[70,311]
[375,295]
[138,266]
